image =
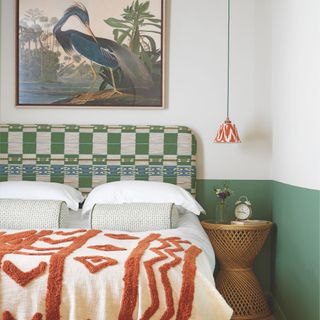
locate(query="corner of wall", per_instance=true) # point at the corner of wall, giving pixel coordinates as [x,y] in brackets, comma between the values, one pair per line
[276,309]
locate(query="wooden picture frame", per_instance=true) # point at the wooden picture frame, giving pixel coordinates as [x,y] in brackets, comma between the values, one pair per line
[90,53]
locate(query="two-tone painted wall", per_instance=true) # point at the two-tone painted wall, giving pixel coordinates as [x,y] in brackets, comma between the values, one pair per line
[296,157]
[295,274]
[288,267]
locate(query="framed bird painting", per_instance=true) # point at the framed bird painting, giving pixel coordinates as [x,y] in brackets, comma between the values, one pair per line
[93,53]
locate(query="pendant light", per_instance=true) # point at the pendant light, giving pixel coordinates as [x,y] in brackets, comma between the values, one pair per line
[227,132]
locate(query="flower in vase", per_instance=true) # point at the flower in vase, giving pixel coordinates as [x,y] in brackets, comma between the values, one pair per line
[223,193]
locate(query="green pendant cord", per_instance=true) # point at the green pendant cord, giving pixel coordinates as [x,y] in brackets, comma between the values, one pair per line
[228,67]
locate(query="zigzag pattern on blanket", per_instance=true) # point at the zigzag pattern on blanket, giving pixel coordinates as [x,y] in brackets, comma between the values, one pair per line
[8,316]
[66,248]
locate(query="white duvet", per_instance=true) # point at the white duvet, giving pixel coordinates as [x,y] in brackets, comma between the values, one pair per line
[95,274]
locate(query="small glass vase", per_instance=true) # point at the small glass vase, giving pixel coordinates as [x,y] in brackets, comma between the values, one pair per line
[221,213]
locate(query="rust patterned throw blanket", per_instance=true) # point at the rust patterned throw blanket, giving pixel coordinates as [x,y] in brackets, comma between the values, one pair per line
[93,274]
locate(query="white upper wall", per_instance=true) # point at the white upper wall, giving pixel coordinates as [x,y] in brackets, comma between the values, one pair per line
[196,58]
[296,92]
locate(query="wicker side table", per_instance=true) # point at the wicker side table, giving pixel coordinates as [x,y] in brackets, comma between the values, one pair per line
[236,248]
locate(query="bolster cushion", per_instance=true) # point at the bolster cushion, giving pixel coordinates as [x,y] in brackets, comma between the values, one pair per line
[134,217]
[31,214]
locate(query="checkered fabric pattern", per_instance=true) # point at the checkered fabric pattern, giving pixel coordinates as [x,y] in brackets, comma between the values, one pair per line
[85,156]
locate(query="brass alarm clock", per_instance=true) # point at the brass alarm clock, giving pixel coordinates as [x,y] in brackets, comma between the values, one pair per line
[243,209]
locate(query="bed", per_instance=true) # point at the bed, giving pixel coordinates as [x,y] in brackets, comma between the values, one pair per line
[80,273]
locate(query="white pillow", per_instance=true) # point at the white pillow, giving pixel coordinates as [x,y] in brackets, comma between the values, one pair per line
[141,192]
[38,190]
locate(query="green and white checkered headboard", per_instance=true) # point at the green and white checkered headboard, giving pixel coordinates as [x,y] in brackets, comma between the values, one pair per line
[85,156]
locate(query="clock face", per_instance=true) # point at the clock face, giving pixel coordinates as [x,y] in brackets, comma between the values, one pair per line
[242,211]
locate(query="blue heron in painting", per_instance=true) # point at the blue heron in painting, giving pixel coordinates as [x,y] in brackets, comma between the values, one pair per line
[104,52]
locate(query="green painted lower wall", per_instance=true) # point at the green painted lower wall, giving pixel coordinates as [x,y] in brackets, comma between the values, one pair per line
[276,309]
[259,192]
[295,274]
[288,266]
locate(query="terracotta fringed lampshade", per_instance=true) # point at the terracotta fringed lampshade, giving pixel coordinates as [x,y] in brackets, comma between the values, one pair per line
[227,133]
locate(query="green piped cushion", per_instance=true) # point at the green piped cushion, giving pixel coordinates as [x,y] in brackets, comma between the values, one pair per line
[32,214]
[134,217]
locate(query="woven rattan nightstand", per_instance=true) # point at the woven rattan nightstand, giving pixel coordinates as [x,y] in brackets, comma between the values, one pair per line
[236,247]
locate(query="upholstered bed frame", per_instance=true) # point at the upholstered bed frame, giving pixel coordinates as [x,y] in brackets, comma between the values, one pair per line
[85,156]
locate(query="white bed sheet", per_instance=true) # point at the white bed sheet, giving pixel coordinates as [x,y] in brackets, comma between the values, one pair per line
[189,228]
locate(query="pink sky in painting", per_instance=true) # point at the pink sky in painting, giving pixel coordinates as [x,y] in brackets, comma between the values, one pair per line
[99,10]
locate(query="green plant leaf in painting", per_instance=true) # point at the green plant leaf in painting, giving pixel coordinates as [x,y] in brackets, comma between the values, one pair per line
[131,31]
[135,43]
[123,36]
[152,24]
[146,59]
[154,56]
[136,5]
[152,43]
[128,18]
[143,16]
[115,34]
[150,31]
[145,6]
[115,23]
[154,20]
